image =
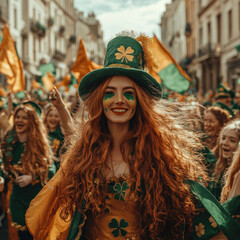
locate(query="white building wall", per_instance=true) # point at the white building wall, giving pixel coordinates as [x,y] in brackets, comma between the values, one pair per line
[228,49]
[16,25]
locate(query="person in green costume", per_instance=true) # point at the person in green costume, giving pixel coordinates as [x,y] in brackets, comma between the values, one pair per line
[130,171]
[55,135]
[227,144]
[27,163]
[224,98]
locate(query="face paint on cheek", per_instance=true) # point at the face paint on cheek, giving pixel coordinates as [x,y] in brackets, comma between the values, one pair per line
[131,99]
[129,96]
[106,100]
[108,96]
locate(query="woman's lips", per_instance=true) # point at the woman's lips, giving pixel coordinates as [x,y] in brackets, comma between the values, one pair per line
[119,111]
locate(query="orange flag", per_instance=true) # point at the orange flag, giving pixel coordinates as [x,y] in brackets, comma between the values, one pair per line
[48,81]
[3,92]
[64,83]
[83,65]
[10,64]
[36,85]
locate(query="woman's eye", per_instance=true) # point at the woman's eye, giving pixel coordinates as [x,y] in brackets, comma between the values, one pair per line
[129,92]
[108,94]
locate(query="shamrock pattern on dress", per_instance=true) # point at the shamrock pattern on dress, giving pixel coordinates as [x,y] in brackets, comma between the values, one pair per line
[120,190]
[118,227]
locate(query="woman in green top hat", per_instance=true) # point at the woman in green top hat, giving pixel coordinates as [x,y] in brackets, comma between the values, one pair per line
[131,171]
[26,162]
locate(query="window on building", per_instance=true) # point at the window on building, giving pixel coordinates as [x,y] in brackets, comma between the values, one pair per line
[34,49]
[229,24]
[15,17]
[40,45]
[200,37]
[55,16]
[209,32]
[34,13]
[49,42]
[219,27]
[239,16]
[55,41]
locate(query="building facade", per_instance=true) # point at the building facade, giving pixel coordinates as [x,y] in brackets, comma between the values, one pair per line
[172,26]
[212,37]
[230,42]
[47,31]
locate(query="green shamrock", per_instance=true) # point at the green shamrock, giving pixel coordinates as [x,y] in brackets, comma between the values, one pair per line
[114,224]
[120,190]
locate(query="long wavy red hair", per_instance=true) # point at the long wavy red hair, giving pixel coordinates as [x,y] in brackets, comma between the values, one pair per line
[37,155]
[162,157]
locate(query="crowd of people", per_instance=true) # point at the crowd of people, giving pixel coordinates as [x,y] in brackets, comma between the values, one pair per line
[121,161]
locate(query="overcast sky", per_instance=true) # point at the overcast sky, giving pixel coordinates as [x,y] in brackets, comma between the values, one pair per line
[119,15]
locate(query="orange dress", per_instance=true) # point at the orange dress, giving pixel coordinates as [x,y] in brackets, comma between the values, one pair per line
[121,220]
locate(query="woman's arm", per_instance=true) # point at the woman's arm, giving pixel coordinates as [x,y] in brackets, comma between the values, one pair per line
[66,120]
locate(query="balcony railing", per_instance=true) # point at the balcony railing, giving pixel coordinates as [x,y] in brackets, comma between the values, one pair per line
[72,39]
[62,30]
[211,50]
[50,21]
[188,29]
[38,28]
[59,55]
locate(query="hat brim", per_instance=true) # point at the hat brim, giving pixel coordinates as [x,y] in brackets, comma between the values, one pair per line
[90,81]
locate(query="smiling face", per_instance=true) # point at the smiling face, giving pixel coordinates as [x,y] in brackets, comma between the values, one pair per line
[211,124]
[119,101]
[229,143]
[52,119]
[21,122]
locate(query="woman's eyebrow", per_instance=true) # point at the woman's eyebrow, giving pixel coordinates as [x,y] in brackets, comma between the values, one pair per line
[109,87]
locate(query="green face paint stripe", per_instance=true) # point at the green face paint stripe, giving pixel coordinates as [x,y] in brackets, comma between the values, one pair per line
[105,109]
[108,95]
[129,96]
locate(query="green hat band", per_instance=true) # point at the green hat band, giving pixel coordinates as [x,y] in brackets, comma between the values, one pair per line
[33,106]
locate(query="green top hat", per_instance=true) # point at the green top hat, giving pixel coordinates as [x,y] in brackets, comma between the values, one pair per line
[224,92]
[124,56]
[33,105]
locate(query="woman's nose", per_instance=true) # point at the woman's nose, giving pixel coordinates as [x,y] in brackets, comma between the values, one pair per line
[119,98]
[225,141]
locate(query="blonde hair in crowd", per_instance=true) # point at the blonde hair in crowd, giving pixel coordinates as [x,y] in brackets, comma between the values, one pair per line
[231,173]
[223,164]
